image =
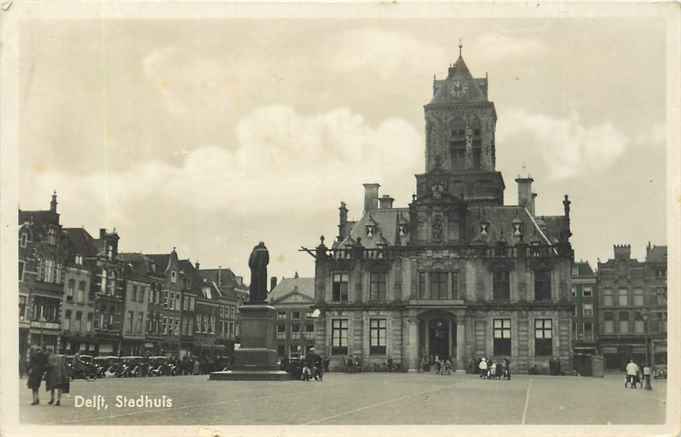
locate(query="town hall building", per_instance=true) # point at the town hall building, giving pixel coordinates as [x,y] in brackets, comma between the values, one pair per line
[457,273]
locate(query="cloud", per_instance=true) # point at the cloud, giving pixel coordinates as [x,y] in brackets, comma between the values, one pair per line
[284,162]
[567,147]
[496,47]
[385,53]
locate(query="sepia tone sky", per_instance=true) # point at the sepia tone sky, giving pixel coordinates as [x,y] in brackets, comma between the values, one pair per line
[213,135]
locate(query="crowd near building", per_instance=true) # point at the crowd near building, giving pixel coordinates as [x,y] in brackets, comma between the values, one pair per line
[78,293]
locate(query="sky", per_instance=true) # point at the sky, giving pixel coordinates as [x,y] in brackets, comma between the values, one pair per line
[212,135]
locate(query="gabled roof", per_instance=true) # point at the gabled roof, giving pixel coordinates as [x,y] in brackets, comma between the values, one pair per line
[81,241]
[583,269]
[140,264]
[224,277]
[161,260]
[289,287]
[39,217]
[656,254]
[386,222]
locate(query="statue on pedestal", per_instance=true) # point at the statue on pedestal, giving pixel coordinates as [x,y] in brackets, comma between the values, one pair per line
[258,261]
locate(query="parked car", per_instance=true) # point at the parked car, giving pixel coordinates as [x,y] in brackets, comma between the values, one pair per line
[660,372]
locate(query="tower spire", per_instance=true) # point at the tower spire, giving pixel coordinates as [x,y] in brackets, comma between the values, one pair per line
[460,47]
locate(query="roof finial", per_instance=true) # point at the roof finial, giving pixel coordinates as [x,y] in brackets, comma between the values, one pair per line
[460,47]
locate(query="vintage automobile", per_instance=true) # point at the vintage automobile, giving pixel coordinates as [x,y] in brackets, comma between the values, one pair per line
[107,365]
[161,366]
[82,367]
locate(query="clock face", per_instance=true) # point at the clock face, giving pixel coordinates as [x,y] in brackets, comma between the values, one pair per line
[457,88]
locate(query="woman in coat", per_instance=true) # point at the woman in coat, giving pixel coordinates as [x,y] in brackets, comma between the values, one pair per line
[36,369]
[56,376]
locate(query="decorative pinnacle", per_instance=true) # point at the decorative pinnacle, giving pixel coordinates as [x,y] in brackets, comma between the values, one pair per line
[460,47]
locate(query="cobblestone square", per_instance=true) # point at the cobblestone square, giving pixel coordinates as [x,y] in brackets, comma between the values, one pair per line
[360,399]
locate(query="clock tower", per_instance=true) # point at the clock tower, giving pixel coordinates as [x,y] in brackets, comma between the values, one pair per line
[460,130]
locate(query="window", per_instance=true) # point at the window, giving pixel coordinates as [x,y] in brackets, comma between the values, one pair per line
[623,297]
[438,285]
[587,292]
[22,307]
[309,327]
[624,322]
[608,323]
[573,290]
[103,284]
[131,321]
[422,285]
[140,295]
[588,329]
[501,285]
[79,260]
[502,336]
[88,325]
[295,330]
[165,298]
[281,330]
[377,285]
[70,289]
[80,298]
[377,336]
[639,324]
[543,338]
[608,299]
[340,287]
[638,297]
[109,251]
[588,310]
[49,271]
[79,319]
[23,239]
[661,294]
[455,285]
[295,315]
[281,315]
[67,320]
[21,270]
[542,285]
[173,276]
[133,293]
[339,336]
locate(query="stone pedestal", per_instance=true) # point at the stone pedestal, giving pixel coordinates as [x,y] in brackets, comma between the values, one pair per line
[257,357]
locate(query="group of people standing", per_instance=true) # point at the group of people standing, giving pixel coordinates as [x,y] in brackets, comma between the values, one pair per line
[51,366]
[633,378]
[494,370]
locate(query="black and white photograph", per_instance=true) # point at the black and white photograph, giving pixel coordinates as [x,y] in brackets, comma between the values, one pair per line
[330,215]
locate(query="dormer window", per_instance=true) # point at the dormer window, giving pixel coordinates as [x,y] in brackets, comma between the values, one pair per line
[173,276]
[371,229]
[403,230]
[517,229]
[484,228]
[23,239]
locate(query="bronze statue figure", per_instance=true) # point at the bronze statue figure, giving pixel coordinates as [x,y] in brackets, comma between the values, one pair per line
[258,261]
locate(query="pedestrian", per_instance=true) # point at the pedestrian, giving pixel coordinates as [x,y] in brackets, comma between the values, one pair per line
[314,362]
[499,370]
[507,369]
[57,377]
[483,368]
[646,376]
[492,370]
[36,368]
[631,372]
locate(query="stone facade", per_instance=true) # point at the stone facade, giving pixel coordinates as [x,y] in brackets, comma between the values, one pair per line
[632,314]
[457,273]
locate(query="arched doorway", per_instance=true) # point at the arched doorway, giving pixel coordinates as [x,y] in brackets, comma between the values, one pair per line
[437,336]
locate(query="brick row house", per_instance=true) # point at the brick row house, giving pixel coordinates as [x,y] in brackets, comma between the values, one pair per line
[632,315]
[456,273]
[77,293]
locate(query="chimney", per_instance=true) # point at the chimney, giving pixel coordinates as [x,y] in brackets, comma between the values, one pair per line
[622,251]
[370,197]
[53,202]
[273,283]
[102,232]
[386,202]
[342,221]
[197,266]
[525,195]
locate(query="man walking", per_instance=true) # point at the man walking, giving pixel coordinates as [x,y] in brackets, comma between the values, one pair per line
[632,370]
